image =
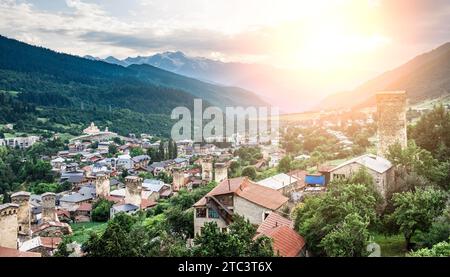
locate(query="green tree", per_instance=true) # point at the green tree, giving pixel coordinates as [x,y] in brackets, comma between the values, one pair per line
[136,151]
[321,215]
[348,239]
[234,168]
[116,241]
[161,151]
[250,172]
[153,154]
[414,159]
[285,165]
[62,251]
[417,210]
[170,149]
[238,242]
[441,249]
[432,132]
[112,149]
[101,210]
[175,150]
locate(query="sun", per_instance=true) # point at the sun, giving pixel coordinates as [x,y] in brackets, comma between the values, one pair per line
[332,35]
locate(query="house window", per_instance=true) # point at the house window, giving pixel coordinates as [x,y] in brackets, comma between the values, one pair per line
[212,213]
[201,212]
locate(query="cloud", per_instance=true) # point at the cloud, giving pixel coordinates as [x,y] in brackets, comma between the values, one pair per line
[229,29]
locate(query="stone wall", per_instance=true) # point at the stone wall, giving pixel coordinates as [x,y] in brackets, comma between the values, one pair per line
[207,170]
[254,213]
[200,221]
[133,190]
[391,116]
[381,179]
[178,180]
[220,172]
[48,207]
[8,225]
[102,185]
[22,199]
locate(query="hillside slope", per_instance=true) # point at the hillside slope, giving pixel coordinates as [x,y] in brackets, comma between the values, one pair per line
[70,80]
[425,77]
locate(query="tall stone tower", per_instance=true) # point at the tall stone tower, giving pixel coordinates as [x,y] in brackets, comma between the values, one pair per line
[178,179]
[133,190]
[8,225]
[220,172]
[48,207]
[102,185]
[391,113]
[207,170]
[22,198]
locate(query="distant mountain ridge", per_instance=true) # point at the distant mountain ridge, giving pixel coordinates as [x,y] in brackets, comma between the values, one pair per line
[426,76]
[144,89]
[273,85]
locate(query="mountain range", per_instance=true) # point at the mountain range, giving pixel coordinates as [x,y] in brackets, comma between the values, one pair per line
[272,84]
[143,88]
[425,77]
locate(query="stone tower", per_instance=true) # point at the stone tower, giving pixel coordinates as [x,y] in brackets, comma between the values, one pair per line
[178,179]
[48,207]
[102,185]
[391,113]
[8,225]
[220,172]
[22,198]
[207,170]
[133,190]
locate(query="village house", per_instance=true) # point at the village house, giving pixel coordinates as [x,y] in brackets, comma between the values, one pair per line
[286,241]
[46,246]
[124,162]
[379,168]
[281,182]
[141,161]
[237,196]
[153,189]
[21,142]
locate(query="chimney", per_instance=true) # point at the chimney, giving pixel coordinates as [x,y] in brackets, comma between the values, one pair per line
[229,185]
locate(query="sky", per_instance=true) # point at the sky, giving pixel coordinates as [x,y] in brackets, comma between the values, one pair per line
[369,36]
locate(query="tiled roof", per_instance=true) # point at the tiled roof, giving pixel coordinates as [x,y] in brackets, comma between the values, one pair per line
[273,220]
[61,212]
[286,241]
[248,190]
[11,252]
[85,207]
[145,203]
[50,242]
[262,196]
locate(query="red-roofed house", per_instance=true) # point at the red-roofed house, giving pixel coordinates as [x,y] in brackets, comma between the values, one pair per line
[43,245]
[14,253]
[83,212]
[286,241]
[240,196]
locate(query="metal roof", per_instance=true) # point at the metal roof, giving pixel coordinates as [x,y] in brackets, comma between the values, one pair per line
[278,181]
[373,162]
